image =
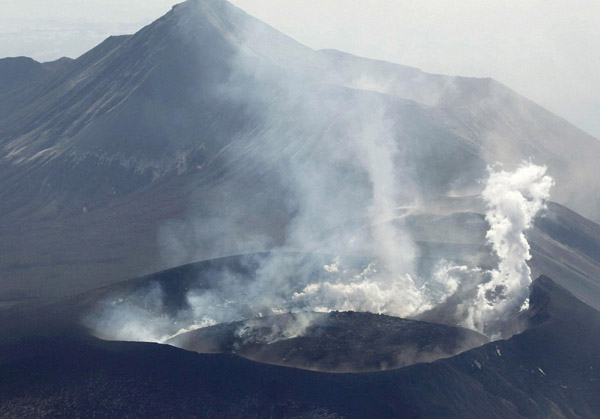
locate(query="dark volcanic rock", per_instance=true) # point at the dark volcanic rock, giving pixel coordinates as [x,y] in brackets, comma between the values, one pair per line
[335,342]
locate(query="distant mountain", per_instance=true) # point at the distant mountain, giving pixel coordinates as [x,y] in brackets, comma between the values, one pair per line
[17,73]
[208,111]
[550,370]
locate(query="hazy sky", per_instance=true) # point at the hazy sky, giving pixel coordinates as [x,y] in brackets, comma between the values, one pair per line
[548,50]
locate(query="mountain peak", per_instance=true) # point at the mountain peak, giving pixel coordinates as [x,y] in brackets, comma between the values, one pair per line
[20,72]
[244,32]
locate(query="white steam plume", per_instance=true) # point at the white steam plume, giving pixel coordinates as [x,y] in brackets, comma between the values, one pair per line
[513,199]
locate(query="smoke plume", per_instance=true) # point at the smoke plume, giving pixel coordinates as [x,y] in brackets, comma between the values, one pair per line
[375,277]
[513,199]
[324,177]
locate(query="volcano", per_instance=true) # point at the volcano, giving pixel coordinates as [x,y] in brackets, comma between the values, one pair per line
[209,219]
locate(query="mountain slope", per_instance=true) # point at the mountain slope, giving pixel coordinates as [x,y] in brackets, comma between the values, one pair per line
[193,138]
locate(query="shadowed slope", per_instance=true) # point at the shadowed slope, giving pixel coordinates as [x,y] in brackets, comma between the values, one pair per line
[550,370]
